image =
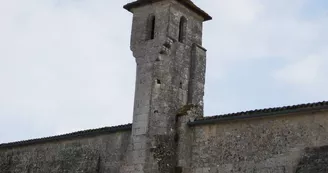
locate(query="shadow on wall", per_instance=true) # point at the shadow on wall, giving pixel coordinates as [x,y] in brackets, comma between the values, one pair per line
[5,163]
[68,160]
[314,160]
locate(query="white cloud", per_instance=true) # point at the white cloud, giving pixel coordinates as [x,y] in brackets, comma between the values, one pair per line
[239,12]
[306,71]
[306,77]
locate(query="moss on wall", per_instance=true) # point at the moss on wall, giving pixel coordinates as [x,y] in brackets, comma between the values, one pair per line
[314,160]
[184,109]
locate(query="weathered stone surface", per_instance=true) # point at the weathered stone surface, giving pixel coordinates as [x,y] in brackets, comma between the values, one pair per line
[98,154]
[314,160]
[166,43]
[272,144]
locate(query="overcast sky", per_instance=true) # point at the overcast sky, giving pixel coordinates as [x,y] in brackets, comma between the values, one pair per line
[65,65]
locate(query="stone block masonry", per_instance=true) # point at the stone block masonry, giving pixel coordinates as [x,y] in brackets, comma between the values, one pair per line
[288,143]
[92,151]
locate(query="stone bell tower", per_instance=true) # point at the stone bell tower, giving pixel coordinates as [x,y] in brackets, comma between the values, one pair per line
[166,42]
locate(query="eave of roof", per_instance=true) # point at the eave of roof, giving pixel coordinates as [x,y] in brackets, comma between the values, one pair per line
[260,113]
[69,136]
[189,4]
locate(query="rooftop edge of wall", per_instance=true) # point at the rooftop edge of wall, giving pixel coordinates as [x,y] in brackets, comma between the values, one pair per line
[263,113]
[69,136]
[246,115]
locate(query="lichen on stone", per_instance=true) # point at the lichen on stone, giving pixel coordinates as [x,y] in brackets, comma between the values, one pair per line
[164,152]
[184,109]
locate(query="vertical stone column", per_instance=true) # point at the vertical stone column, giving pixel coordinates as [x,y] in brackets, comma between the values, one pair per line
[185,137]
[138,147]
[192,110]
[197,76]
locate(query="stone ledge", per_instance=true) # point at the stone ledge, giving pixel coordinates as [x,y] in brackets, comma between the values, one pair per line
[69,136]
[261,113]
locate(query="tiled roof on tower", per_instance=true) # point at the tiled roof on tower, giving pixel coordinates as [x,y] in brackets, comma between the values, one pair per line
[188,3]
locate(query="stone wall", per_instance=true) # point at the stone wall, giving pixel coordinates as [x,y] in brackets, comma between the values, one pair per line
[101,153]
[284,144]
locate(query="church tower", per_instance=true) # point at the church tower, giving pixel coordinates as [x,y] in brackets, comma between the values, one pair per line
[166,41]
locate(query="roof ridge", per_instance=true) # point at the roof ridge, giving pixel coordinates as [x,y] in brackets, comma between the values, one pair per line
[262,112]
[204,120]
[188,3]
[77,134]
